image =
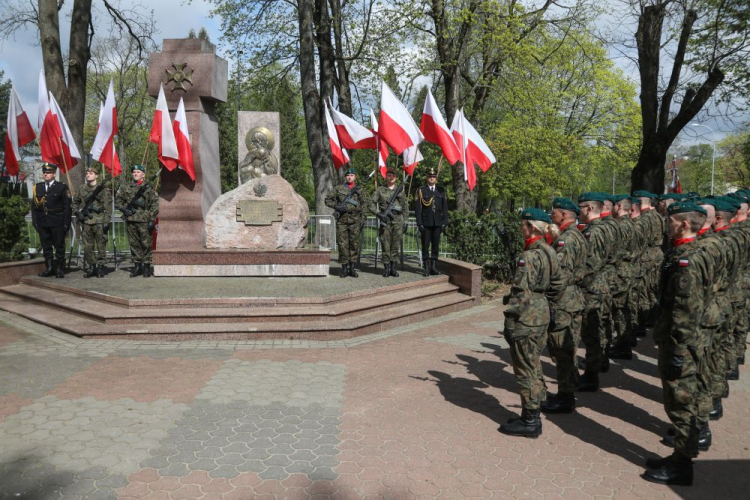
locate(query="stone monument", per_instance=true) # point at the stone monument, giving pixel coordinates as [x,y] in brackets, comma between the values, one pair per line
[258,151]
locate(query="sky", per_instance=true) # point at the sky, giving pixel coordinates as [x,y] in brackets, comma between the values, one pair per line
[21,58]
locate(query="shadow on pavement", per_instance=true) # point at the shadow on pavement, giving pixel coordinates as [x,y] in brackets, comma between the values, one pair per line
[724,479]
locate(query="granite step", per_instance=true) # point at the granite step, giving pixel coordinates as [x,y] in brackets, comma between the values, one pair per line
[108,313]
[330,329]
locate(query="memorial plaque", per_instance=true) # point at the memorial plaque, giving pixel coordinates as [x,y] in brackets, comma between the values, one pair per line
[259,212]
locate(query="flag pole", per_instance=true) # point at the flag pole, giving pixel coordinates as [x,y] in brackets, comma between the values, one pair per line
[440,164]
[145,154]
[65,164]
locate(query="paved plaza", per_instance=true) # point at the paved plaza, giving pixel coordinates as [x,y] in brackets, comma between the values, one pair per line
[403,414]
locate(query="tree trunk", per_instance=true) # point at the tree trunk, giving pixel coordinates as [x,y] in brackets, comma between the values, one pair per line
[648,173]
[342,70]
[311,103]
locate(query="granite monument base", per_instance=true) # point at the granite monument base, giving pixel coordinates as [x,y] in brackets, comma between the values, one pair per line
[237,262]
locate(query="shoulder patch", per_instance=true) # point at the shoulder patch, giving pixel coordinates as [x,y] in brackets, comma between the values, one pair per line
[521,262]
[587,234]
[683,263]
[561,243]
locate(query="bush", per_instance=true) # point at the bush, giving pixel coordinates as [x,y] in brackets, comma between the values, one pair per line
[14,238]
[490,241]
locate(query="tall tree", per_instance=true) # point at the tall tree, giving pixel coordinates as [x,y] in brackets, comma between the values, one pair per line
[702,46]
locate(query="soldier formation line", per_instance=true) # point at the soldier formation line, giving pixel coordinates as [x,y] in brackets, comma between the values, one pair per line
[600,271]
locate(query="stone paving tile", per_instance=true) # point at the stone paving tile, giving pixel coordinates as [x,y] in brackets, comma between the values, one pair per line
[9,335]
[473,341]
[143,379]
[11,403]
[264,382]
[31,376]
[185,353]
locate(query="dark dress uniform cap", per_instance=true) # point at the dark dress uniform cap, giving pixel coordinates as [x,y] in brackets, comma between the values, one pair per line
[49,168]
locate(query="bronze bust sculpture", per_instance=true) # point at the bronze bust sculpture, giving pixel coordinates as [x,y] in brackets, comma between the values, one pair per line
[260,160]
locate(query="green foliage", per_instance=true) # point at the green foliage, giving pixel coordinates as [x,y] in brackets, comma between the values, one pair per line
[489,240]
[695,170]
[734,161]
[5,86]
[14,240]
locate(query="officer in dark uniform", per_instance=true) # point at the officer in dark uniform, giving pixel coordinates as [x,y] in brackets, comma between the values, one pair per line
[51,215]
[431,210]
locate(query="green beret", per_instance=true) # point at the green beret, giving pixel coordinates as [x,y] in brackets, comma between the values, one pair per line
[617,198]
[137,167]
[590,196]
[431,172]
[681,207]
[642,193]
[731,200]
[351,171]
[535,214]
[606,196]
[635,200]
[391,170]
[719,204]
[740,195]
[671,196]
[49,168]
[565,204]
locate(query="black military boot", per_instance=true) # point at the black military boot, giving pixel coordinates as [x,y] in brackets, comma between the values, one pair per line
[672,470]
[717,411]
[433,267]
[529,425]
[562,402]
[589,382]
[605,365]
[621,351]
[47,269]
[147,270]
[344,271]
[394,273]
[704,437]
[352,271]
[137,270]
[386,270]
[741,360]
[60,269]
[93,271]
[734,374]
[426,267]
[726,391]
[100,271]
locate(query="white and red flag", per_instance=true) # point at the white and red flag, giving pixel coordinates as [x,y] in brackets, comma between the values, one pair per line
[339,155]
[162,133]
[103,149]
[351,134]
[18,134]
[69,155]
[412,157]
[458,129]
[436,131]
[396,126]
[382,145]
[49,129]
[182,137]
[480,152]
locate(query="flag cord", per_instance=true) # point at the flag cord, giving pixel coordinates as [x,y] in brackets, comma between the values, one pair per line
[145,154]
[440,164]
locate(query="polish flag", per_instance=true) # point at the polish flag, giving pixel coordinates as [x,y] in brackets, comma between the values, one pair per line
[436,131]
[340,157]
[103,149]
[397,127]
[412,157]
[162,133]
[480,152]
[69,155]
[182,137]
[382,146]
[49,129]
[458,129]
[19,132]
[351,134]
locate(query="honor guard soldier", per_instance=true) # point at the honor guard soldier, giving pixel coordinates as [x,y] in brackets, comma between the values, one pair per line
[92,206]
[51,216]
[139,205]
[687,291]
[431,210]
[389,206]
[347,202]
[565,330]
[537,282]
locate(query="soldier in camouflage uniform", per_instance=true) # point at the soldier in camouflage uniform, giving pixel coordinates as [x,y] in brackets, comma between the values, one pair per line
[740,334]
[622,333]
[688,290]
[598,235]
[349,203]
[565,330]
[391,227]
[94,222]
[654,230]
[537,282]
[610,270]
[139,212]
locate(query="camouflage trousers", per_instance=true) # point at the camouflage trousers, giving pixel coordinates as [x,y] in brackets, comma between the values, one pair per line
[704,378]
[562,344]
[621,317]
[647,291]
[94,244]
[525,349]
[728,337]
[139,238]
[390,241]
[717,363]
[594,329]
[347,238]
[680,403]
